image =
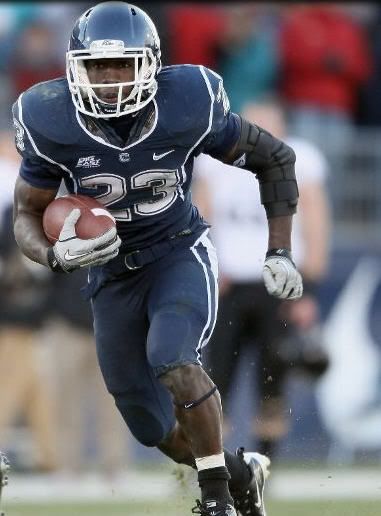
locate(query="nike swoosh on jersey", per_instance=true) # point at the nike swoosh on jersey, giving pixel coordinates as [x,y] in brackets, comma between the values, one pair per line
[69,257]
[155,156]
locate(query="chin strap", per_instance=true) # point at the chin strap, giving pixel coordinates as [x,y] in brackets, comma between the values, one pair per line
[195,403]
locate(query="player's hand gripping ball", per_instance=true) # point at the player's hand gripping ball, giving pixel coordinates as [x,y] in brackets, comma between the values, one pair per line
[82,230]
[95,219]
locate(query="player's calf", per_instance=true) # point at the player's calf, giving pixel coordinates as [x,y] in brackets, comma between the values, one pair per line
[198,406]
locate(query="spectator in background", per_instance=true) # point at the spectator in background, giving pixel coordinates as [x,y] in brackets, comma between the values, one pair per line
[24,293]
[284,333]
[59,16]
[31,47]
[41,390]
[90,422]
[248,55]
[325,59]
[33,58]
[196,32]
[369,109]
[13,17]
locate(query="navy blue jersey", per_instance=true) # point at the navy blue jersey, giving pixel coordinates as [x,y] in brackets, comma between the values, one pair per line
[145,184]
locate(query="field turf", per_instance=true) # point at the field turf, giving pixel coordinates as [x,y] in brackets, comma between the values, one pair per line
[182,507]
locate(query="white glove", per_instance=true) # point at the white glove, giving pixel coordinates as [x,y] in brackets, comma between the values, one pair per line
[71,252]
[281,276]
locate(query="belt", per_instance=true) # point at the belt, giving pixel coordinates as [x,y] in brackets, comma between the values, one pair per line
[140,257]
[100,275]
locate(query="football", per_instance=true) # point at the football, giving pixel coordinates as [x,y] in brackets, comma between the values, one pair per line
[95,219]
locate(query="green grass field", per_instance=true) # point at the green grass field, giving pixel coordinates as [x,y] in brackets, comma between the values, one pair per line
[289,481]
[182,506]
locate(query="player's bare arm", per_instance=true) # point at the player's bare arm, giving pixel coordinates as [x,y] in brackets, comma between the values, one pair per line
[69,252]
[29,206]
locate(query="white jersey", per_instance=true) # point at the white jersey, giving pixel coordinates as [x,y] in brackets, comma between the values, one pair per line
[239,223]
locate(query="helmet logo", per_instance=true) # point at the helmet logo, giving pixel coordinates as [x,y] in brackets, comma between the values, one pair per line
[106,44]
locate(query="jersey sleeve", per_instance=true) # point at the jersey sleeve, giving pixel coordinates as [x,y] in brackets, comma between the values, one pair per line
[225,127]
[35,168]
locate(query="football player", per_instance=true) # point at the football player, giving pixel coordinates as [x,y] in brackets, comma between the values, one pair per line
[124,129]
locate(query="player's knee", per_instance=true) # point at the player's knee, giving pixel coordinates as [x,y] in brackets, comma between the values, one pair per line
[143,425]
[173,337]
[182,380]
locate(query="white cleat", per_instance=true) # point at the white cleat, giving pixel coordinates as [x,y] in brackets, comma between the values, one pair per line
[250,502]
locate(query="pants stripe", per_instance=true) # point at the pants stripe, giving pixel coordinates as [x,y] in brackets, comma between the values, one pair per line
[210,268]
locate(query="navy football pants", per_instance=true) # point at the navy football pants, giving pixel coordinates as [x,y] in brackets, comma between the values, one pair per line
[150,320]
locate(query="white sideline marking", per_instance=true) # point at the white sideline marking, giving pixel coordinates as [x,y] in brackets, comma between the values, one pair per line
[87,488]
[362,484]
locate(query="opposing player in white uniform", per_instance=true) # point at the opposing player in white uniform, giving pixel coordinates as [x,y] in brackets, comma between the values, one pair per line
[246,312]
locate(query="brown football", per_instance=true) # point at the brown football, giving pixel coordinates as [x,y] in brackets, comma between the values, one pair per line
[95,219]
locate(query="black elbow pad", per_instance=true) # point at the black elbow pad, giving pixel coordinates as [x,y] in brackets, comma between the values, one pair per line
[273,162]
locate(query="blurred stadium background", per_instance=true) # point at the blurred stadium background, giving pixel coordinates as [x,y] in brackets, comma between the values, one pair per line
[69,451]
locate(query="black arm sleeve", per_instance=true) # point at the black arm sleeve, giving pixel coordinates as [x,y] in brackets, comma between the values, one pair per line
[273,163]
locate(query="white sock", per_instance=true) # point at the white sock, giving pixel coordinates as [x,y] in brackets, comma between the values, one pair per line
[212,461]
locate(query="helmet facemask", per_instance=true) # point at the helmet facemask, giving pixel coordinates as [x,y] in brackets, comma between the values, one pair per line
[84,93]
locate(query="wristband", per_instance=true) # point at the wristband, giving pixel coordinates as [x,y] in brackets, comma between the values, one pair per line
[286,253]
[53,263]
[282,253]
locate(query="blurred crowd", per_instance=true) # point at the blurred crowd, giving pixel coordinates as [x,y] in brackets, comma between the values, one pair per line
[314,66]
